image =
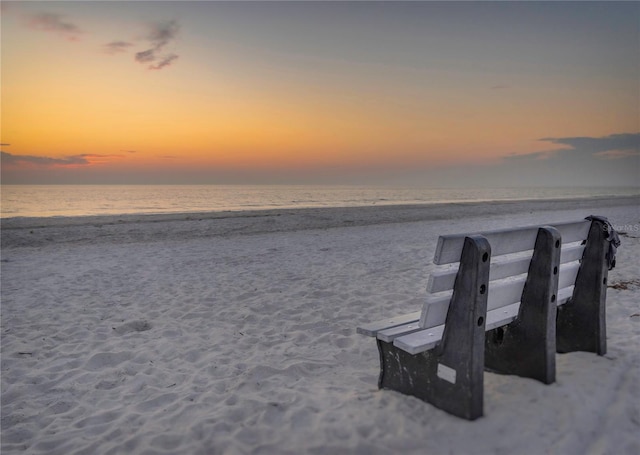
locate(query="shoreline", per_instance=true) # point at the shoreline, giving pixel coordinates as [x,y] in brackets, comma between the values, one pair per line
[419,211]
[254,200]
[37,232]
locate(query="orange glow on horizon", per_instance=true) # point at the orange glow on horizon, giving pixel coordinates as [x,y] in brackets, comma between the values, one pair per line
[232,105]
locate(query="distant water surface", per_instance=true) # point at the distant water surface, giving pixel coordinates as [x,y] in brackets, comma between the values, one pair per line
[85,200]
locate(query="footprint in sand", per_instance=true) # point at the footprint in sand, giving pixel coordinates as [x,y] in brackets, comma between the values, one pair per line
[133,326]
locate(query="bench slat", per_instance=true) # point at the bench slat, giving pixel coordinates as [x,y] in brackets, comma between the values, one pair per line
[415,342]
[421,341]
[501,316]
[444,280]
[507,241]
[391,334]
[564,295]
[571,252]
[425,339]
[373,328]
[568,273]
[389,329]
[501,293]
[440,281]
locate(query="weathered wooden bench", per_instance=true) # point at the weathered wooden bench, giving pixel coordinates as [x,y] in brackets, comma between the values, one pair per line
[534,290]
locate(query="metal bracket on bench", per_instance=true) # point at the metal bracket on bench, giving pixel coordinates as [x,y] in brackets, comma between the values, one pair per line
[527,346]
[450,376]
[581,322]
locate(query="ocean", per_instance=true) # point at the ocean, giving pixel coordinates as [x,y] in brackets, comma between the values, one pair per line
[87,200]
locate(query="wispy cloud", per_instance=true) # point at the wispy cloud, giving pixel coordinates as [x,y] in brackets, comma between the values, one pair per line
[500,87]
[158,39]
[160,36]
[145,56]
[537,156]
[166,61]
[85,159]
[583,161]
[162,33]
[617,154]
[117,47]
[54,23]
[606,147]
[614,146]
[612,160]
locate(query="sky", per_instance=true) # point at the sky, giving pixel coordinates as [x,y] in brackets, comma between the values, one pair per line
[486,94]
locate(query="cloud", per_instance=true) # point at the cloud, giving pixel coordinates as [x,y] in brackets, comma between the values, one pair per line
[145,56]
[160,36]
[612,147]
[617,154]
[534,156]
[9,159]
[162,33]
[499,87]
[116,47]
[606,147]
[54,23]
[164,62]
[612,160]
[4,145]
[93,158]
[85,159]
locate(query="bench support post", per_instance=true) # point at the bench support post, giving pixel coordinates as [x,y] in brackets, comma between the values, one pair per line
[527,346]
[450,376]
[581,322]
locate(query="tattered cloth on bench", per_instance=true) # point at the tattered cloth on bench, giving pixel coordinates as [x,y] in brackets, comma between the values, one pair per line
[612,236]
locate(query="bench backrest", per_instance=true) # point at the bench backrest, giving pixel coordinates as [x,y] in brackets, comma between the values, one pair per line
[511,253]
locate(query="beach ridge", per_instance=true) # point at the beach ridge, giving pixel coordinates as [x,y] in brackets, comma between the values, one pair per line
[161,227]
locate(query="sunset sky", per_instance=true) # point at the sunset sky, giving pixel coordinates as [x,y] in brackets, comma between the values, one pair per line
[430,93]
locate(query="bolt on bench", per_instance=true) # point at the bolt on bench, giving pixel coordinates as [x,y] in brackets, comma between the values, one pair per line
[534,290]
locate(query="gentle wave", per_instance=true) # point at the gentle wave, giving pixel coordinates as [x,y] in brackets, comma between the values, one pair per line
[87,200]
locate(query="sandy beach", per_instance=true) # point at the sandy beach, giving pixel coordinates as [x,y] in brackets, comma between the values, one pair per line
[235,332]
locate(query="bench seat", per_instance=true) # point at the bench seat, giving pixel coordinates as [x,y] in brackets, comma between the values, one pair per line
[504,295]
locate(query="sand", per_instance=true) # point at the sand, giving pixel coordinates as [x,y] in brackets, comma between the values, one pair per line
[225,333]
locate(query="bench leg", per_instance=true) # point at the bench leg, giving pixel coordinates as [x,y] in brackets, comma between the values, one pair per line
[527,346]
[450,376]
[581,323]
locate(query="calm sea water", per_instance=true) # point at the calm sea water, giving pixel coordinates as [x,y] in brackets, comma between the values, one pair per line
[84,200]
